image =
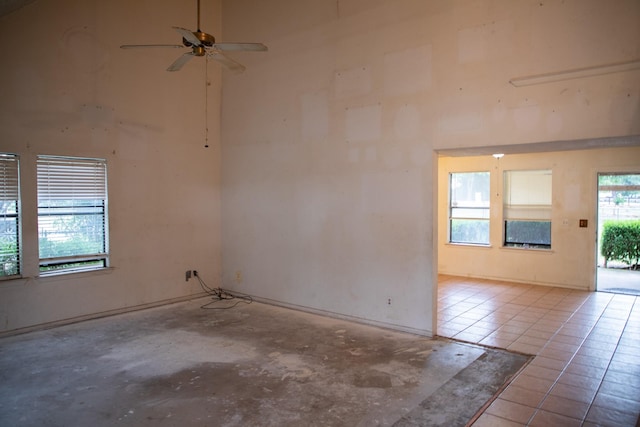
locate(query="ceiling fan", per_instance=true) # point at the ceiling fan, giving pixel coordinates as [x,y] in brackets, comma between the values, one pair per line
[203,44]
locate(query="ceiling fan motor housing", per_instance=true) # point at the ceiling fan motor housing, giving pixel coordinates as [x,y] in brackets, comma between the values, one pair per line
[205,39]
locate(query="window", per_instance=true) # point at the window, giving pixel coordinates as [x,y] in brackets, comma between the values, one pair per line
[72,213]
[527,208]
[9,216]
[469,207]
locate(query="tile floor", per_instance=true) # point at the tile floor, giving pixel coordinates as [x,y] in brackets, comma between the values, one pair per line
[587,347]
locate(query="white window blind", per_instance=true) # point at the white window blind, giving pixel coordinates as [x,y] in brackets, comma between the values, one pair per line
[72,213]
[527,195]
[9,215]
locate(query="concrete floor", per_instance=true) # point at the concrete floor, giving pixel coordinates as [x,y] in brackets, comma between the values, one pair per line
[618,280]
[252,365]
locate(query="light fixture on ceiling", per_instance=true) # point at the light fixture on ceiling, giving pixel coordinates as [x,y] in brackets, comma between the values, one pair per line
[498,155]
[595,70]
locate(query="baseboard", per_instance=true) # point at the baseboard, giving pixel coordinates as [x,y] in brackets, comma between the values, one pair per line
[57,323]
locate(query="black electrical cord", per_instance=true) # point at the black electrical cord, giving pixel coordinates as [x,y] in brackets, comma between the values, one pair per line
[219,294]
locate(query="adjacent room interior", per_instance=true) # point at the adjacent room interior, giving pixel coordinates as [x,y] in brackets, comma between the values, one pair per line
[302,154]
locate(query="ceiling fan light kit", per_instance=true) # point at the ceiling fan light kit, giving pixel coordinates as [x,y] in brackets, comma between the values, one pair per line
[203,44]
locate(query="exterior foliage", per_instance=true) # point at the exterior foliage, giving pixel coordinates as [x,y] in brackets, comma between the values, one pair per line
[621,242]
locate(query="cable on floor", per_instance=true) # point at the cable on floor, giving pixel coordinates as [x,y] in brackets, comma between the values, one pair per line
[219,294]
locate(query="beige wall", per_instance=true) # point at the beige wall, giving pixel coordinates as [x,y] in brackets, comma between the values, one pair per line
[328,139]
[68,89]
[571,262]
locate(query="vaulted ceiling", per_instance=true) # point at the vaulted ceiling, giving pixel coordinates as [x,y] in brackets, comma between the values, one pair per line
[8,6]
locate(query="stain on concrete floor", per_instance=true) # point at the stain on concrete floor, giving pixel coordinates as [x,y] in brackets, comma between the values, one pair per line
[253,365]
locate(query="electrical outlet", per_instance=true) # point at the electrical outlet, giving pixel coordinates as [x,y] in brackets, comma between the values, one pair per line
[187,275]
[389,301]
[238,276]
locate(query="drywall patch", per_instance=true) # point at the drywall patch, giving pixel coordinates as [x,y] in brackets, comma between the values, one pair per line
[315,115]
[84,51]
[407,71]
[420,154]
[485,41]
[363,123]
[526,117]
[554,123]
[394,192]
[371,154]
[354,155]
[460,122]
[499,112]
[393,157]
[353,82]
[407,122]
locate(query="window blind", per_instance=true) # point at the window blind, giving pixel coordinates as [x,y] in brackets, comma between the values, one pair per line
[527,195]
[9,215]
[65,178]
[72,214]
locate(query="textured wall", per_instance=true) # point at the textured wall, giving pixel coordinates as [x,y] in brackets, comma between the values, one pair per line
[68,89]
[328,139]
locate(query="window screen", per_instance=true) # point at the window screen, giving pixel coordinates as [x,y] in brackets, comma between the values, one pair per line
[469,207]
[527,208]
[72,213]
[9,216]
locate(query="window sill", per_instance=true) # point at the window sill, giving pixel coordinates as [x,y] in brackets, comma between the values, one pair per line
[531,249]
[57,275]
[469,245]
[19,281]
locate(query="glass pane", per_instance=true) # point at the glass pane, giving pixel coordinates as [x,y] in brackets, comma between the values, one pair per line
[528,233]
[69,228]
[480,213]
[470,189]
[9,246]
[470,231]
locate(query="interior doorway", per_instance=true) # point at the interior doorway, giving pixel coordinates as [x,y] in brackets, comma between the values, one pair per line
[618,239]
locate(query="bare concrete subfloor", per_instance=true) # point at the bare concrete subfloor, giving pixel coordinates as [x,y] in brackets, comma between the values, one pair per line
[252,365]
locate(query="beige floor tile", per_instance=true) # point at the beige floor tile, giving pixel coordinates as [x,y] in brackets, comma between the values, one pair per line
[587,347]
[511,411]
[488,420]
[546,419]
[523,396]
[569,408]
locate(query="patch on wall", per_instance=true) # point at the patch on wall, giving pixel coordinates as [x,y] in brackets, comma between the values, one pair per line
[380,193]
[353,82]
[407,71]
[363,123]
[315,115]
[83,50]
[485,42]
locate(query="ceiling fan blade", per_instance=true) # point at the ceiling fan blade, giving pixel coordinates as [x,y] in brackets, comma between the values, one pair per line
[188,36]
[232,65]
[179,63]
[229,47]
[137,46]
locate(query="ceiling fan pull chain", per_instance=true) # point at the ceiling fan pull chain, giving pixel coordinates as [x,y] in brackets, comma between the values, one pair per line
[206,104]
